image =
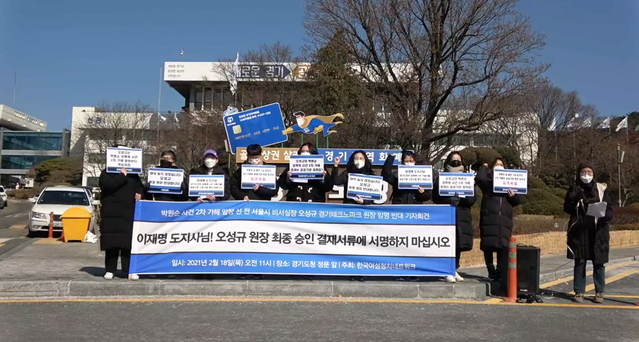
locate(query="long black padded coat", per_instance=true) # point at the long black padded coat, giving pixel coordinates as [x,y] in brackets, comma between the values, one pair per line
[117,200]
[464,218]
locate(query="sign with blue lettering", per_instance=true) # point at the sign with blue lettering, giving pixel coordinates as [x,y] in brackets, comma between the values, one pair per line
[414,176]
[264,175]
[456,184]
[377,157]
[364,186]
[309,167]
[515,180]
[165,181]
[262,126]
[262,237]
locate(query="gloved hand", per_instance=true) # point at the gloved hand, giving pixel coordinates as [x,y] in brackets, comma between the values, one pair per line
[454,201]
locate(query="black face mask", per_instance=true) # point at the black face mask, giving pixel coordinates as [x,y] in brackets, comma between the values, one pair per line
[165,163]
[455,163]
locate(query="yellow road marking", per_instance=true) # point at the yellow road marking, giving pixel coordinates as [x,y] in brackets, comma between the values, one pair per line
[613,279]
[616,296]
[310,300]
[18,226]
[493,301]
[589,273]
[1,244]
[48,242]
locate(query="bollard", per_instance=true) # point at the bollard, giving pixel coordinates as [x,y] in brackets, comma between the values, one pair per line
[51,225]
[512,271]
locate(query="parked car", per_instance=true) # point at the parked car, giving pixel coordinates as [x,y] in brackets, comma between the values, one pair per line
[58,199]
[4,199]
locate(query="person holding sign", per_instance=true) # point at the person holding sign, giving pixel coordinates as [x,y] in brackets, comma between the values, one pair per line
[403,196]
[257,192]
[496,220]
[210,167]
[588,204]
[357,163]
[167,161]
[464,220]
[118,193]
[305,190]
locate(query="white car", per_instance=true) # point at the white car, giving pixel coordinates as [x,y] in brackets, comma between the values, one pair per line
[57,200]
[4,197]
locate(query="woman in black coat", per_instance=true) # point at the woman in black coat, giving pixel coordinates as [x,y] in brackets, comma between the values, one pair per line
[309,191]
[588,236]
[464,218]
[118,193]
[210,166]
[357,163]
[402,196]
[496,221]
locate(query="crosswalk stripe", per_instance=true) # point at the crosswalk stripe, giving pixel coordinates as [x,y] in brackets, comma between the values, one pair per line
[18,226]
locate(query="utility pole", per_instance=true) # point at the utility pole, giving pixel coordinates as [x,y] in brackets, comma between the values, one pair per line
[620,155]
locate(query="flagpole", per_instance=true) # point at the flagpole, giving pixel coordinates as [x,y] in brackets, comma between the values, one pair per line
[157,137]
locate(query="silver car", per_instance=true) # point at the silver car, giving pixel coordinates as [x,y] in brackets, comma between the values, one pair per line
[57,200]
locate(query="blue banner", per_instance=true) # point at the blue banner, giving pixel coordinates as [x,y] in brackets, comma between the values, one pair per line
[262,126]
[259,237]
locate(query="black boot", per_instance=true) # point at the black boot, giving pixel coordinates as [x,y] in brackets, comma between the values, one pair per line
[492,273]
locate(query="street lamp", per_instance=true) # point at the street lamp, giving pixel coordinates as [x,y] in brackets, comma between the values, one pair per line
[620,155]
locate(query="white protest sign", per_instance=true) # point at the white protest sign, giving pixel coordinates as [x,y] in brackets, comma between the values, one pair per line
[119,158]
[165,181]
[412,177]
[365,186]
[202,185]
[460,184]
[516,180]
[307,167]
[264,175]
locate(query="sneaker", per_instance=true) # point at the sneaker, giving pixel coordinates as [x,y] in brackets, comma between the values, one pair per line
[108,276]
[450,279]
[458,277]
[134,277]
[578,298]
[599,298]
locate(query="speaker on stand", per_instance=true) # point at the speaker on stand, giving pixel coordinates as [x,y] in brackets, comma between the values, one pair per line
[528,270]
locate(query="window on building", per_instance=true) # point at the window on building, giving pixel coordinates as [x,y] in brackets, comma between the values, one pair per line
[23,162]
[198,99]
[32,141]
[229,98]
[217,97]
[208,98]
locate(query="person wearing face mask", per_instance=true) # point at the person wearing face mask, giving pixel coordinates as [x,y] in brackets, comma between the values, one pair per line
[496,220]
[305,191]
[357,163]
[167,161]
[402,196]
[259,193]
[210,166]
[464,218]
[588,236]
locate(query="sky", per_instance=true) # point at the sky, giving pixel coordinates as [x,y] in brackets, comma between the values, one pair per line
[69,53]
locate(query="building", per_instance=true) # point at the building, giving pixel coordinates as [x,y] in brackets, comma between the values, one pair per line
[24,143]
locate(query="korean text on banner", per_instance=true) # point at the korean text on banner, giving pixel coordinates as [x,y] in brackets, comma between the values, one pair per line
[261,125]
[456,184]
[260,237]
[412,177]
[365,186]
[307,167]
[516,180]
[264,175]
[277,155]
[202,185]
[165,181]
[119,158]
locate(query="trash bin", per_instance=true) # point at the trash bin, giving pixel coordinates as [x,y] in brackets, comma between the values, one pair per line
[75,224]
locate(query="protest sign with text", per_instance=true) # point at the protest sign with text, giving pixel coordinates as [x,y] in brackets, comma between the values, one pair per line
[165,181]
[307,167]
[412,177]
[456,184]
[119,158]
[365,186]
[264,175]
[262,237]
[516,180]
[202,185]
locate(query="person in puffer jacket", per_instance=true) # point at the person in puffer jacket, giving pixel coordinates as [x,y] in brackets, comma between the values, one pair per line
[401,196]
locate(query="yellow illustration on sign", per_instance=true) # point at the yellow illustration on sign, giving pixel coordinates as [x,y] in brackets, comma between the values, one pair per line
[314,124]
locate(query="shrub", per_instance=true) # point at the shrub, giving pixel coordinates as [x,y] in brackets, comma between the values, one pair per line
[626,215]
[473,155]
[536,183]
[542,202]
[538,224]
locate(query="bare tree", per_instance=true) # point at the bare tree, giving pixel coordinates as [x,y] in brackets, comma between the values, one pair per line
[426,54]
[116,123]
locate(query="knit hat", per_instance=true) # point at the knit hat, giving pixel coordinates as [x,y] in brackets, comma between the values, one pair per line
[210,152]
[584,165]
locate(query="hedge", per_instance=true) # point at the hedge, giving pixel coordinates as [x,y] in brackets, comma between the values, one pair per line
[542,202]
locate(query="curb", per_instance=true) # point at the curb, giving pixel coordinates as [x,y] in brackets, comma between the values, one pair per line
[243,288]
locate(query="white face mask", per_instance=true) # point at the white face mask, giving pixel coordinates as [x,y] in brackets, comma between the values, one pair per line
[254,161]
[300,121]
[359,163]
[499,167]
[409,164]
[305,154]
[210,163]
[586,179]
